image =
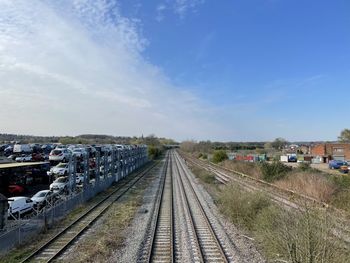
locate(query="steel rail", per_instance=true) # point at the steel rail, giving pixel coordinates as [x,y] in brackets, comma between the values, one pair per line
[208,225]
[162,246]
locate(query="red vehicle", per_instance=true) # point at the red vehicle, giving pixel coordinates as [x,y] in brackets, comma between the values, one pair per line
[92,164]
[15,189]
[38,157]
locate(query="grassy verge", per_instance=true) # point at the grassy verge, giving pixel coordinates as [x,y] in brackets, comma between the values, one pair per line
[322,186]
[282,236]
[285,236]
[207,179]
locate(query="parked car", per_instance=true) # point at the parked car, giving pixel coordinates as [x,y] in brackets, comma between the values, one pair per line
[8,151]
[60,146]
[344,169]
[61,184]
[19,206]
[336,164]
[59,155]
[79,179]
[24,158]
[41,198]
[78,152]
[60,169]
[15,189]
[12,157]
[38,157]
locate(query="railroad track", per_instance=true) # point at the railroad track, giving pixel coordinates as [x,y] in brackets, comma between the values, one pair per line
[149,247]
[211,248]
[57,245]
[162,249]
[162,240]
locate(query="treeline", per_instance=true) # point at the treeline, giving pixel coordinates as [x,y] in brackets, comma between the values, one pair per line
[208,146]
[5,137]
[86,139]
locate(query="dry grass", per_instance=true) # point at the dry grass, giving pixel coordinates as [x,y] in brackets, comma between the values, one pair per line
[100,245]
[308,183]
[284,236]
[108,235]
[251,169]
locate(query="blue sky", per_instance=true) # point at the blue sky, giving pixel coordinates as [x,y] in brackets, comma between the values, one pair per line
[186,69]
[285,60]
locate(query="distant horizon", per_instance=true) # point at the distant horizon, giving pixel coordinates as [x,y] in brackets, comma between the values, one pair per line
[132,136]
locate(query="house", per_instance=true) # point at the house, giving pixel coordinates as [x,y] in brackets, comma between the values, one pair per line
[332,151]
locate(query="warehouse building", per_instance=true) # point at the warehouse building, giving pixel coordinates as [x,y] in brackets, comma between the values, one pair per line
[332,151]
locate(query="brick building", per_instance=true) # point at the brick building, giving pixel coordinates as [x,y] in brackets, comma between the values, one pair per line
[332,151]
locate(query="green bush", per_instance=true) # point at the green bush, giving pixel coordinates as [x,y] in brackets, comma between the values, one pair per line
[274,171]
[219,156]
[154,152]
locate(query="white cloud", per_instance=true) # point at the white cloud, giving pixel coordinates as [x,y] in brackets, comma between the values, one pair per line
[160,12]
[182,7]
[76,67]
[179,7]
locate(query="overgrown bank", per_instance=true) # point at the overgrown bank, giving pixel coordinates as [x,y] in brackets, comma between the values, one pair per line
[324,187]
[283,236]
[293,236]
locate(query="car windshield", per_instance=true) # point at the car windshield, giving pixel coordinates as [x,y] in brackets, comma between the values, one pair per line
[61,165]
[77,150]
[61,180]
[40,194]
[57,151]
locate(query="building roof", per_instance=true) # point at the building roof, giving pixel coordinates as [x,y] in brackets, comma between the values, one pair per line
[15,165]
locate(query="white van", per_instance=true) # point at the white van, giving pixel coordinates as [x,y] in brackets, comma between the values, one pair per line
[22,148]
[19,205]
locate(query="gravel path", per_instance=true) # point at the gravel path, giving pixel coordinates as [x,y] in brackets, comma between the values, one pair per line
[137,231]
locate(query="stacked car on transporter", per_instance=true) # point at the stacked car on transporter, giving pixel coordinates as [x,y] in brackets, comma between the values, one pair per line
[79,167]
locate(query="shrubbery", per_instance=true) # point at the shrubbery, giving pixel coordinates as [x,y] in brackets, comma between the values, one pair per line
[154,152]
[274,171]
[219,156]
